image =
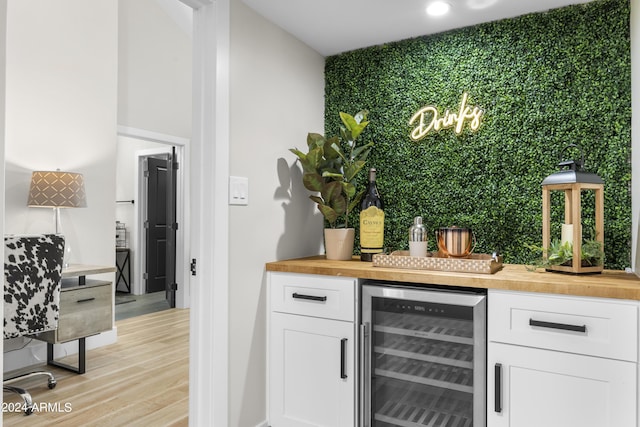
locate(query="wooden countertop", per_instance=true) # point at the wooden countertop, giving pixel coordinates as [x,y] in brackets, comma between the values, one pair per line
[608,284]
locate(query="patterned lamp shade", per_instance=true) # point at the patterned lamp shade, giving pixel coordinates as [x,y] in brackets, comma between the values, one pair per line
[56,189]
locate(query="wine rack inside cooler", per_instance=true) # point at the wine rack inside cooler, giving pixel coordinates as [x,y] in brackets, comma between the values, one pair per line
[422,365]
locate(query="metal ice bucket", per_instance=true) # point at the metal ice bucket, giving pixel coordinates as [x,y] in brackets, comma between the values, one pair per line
[455,241]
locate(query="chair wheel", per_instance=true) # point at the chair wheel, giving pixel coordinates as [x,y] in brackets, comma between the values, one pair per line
[28,411]
[52,385]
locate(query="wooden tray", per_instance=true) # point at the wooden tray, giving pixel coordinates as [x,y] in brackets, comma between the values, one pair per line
[474,263]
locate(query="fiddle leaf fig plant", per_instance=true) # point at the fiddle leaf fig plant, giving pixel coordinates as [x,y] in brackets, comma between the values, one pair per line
[330,168]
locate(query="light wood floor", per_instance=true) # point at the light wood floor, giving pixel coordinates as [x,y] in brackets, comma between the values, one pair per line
[142,380]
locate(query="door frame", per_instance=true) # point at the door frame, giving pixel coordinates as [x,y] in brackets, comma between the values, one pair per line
[209,172]
[182,209]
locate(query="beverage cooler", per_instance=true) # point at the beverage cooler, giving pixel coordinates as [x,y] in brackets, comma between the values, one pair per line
[422,357]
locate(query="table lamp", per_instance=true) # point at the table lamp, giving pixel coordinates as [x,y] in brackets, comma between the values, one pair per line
[57,189]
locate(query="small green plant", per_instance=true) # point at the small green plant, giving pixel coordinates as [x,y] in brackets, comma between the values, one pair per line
[559,253]
[330,168]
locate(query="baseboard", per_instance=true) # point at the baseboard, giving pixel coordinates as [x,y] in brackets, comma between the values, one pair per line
[263,424]
[35,352]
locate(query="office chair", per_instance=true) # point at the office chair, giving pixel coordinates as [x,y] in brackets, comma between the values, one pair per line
[32,276]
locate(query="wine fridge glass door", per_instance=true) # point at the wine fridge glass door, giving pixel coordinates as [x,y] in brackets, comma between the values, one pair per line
[425,358]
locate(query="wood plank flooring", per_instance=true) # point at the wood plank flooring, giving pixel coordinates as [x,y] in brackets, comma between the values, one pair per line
[142,380]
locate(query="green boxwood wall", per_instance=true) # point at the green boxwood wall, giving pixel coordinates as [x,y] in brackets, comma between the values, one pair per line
[543,80]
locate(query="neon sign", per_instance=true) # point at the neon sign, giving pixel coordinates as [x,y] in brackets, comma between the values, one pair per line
[428,119]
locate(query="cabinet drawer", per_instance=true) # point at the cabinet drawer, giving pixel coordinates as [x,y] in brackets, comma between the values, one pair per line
[310,295]
[84,312]
[590,326]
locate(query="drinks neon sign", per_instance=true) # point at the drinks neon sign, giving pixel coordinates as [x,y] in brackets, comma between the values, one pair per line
[428,119]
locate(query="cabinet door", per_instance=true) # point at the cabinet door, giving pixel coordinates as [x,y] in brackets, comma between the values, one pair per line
[312,371]
[529,387]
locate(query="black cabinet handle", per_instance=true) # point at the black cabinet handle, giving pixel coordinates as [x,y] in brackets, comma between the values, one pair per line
[85,300]
[309,297]
[562,326]
[343,355]
[497,372]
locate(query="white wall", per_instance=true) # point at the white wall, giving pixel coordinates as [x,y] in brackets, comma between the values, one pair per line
[61,113]
[61,87]
[277,97]
[154,89]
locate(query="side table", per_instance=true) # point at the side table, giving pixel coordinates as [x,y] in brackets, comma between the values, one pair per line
[123,264]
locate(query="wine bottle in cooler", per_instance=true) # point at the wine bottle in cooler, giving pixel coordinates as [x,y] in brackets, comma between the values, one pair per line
[371,221]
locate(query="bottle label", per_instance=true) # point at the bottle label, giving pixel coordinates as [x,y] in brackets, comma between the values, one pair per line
[371,230]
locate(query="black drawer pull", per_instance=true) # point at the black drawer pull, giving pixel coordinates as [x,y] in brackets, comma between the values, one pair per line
[562,326]
[309,297]
[343,355]
[85,300]
[497,377]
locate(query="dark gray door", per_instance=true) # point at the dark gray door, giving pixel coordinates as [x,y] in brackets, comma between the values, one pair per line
[161,226]
[156,224]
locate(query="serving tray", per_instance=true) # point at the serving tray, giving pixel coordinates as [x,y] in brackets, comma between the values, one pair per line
[474,263]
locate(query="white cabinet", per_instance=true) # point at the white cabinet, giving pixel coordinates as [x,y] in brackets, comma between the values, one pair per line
[312,351]
[550,388]
[561,361]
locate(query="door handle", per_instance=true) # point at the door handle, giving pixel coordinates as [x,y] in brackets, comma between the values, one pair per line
[309,297]
[561,326]
[497,372]
[343,356]
[85,300]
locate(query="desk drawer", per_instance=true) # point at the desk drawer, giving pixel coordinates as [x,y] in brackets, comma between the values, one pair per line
[84,312]
[590,326]
[312,295]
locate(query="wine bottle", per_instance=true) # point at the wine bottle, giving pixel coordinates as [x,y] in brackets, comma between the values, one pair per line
[371,221]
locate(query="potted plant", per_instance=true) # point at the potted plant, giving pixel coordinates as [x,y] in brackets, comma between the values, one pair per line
[329,170]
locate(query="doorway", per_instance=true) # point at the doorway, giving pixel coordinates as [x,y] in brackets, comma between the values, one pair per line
[156,249]
[143,176]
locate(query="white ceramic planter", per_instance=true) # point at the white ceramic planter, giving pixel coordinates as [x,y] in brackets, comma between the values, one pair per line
[338,243]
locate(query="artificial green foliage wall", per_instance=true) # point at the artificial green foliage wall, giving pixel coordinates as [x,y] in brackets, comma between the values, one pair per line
[543,80]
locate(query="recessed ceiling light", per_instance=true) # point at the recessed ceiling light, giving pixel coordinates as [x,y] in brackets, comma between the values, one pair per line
[438,8]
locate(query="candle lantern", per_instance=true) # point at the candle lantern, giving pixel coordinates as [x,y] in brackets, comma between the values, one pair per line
[573,181]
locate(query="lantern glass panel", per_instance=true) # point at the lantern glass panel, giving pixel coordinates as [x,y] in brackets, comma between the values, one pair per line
[557,214]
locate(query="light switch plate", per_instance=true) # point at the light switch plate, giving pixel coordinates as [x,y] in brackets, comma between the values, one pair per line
[238,190]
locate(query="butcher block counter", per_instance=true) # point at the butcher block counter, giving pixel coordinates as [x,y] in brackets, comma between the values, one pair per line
[608,284]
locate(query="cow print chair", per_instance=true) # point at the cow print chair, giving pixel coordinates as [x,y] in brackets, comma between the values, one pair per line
[32,276]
